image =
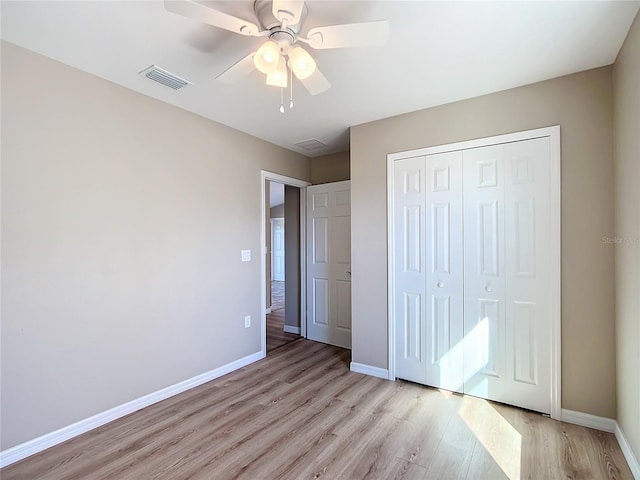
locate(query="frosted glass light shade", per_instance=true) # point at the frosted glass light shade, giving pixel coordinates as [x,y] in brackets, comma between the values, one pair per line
[278,78]
[267,57]
[302,64]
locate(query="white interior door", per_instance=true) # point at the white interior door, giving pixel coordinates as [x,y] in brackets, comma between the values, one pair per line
[472,285]
[444,279]
[428,270]
[507,274]
[329,263]
[485,358]
[409,269]
[277,249]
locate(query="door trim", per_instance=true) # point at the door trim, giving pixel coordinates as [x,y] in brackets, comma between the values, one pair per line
[266,176]
[553,133]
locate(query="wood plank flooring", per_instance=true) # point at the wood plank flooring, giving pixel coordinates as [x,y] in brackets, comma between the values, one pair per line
[276,336]
[301,414]
[277,294]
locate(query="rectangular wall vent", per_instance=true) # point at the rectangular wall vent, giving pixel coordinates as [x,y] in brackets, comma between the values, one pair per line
[168,79]
[311,144]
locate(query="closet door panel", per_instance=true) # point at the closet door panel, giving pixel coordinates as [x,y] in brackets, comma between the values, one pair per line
[409,203]
[484,271]
[528,308]
[507,308]
[444,271]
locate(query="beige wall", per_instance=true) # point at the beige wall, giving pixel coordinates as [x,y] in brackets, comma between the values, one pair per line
[292,275]
[582,104]
[121,270]
[627,204]
[330,168]
[277,211]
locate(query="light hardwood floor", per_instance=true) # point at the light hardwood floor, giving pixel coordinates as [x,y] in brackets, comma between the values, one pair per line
[300,413]
[276,336]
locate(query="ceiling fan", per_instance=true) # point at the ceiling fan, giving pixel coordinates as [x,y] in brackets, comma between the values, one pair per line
[281,22]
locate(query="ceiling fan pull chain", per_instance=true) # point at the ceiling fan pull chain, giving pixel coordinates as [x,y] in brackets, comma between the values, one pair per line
[291,98]
[281,99]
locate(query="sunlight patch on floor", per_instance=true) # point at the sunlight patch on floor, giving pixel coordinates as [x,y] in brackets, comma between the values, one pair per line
[445,393]
[497,436]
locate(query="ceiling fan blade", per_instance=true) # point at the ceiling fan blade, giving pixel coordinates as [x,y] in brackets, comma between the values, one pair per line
[288,10]
[366,34]
[202,13]
[238,71]
[316,83]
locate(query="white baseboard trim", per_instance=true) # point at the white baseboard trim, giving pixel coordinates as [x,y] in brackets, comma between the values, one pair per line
[634,465]
[290,329]
[606,425]
[587,420]
[369,370]
[31,447]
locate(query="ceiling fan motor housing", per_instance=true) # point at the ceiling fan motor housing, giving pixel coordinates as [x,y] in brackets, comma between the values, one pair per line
[283,37]
[264,13]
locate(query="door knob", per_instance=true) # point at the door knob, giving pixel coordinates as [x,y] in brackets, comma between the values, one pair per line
[488,288]
[440,284]
[348,272]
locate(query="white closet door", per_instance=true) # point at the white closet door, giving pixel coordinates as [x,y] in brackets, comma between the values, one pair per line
[484,271]
[472,271]
[528,274]
[444,271]
[329,263]
[507,299]
[429,270]
[409,200]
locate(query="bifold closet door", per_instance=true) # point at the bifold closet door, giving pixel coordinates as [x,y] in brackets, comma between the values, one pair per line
[444,271]
[485,358]
[507,315]
[471,292]
[409,203]
[428,270]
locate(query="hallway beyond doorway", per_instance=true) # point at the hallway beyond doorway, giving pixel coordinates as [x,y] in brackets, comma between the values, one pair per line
[276,336]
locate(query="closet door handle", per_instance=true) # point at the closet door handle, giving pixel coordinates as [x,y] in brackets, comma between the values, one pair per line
[488,288]
[440,284]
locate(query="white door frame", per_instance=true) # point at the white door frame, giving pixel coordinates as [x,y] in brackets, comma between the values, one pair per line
[554,254]
[266,176]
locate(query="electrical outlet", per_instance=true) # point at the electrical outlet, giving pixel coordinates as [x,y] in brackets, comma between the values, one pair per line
[247,321]
[245,255]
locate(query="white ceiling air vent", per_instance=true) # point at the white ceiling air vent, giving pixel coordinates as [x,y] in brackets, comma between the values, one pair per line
[311,144]
[159,75]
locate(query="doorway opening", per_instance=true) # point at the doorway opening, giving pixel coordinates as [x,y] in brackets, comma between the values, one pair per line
[283,266]
[282,326]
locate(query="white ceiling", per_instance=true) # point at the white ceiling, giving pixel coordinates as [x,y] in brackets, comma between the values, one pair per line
[438,52]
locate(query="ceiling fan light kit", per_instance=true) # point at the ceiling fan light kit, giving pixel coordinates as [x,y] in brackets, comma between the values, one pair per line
[278,77]
[267,58]
[271,59]
[300,62]
[281,21]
